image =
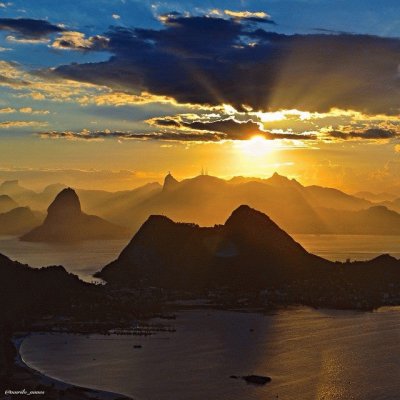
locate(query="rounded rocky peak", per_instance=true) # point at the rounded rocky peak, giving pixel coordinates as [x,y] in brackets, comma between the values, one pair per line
[385,259]
[10,184]
[6,197]
[158,219]
[244,214]
[380,209]
[66,204]
[169,182]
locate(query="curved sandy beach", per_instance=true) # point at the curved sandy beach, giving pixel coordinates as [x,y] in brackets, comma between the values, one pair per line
[33,376]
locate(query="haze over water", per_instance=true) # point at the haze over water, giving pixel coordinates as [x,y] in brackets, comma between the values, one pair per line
[86,258]
[83,258]
[310,354]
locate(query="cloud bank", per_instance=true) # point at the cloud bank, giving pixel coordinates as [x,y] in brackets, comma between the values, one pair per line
[211,60]
[26,28]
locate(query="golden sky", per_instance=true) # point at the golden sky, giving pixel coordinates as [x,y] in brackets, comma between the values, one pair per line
[120,103]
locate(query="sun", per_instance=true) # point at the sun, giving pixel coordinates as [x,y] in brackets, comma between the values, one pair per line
[257,146]
[255,156]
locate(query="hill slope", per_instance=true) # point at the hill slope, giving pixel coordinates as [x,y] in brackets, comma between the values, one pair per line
[7,203]
[27,292]
[248,249]
[19,220]
[249,253]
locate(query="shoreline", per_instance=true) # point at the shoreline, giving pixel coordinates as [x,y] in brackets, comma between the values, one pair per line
[310,320]
[51,386]
[30,379]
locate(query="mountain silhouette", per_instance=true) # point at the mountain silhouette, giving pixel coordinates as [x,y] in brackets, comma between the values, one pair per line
[248,254]
[39,201]
[19,221]
[7,203]
[376,197]
[375,220]
[248,249]
[280,180]
[206,200]
[65,222]
[170,183]
[27,293]
[15,190]
[116,206]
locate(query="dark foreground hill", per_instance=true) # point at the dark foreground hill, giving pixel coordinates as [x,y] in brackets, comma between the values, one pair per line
[65,222]
[27,295]
[27,292]
[50,299]
[250,253]
[249,248]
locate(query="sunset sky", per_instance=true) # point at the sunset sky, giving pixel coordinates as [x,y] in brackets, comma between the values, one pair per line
[115,93]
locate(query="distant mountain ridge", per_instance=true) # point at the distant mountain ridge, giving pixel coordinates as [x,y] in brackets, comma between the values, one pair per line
[65,222]
[7,203]
[376,197]
[206,200]
[19,220]
[29,198]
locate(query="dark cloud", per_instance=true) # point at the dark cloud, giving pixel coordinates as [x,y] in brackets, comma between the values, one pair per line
[29,28]
[209,61]
[234,129]
[261,20]
[17,83]
[230,128]
[167,136]
[330,31]
[162,136]
[192,37]
[168,122]
[371,134]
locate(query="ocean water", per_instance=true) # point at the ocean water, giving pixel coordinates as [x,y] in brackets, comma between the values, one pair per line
[355,247]
[86,258]
[83,259]
[309,354]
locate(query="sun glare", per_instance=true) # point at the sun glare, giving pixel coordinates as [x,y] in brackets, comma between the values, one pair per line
[256,156]
[275,116]
[257,146]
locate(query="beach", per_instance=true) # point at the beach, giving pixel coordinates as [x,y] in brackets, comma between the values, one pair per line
[26,381]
